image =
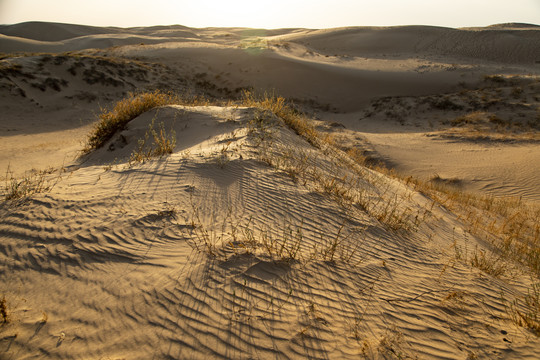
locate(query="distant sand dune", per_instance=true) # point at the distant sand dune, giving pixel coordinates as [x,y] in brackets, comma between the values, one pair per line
[504,46]
[506,43]
[44,31]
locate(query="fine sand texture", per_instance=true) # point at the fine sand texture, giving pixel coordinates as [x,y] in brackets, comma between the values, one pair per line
[347,193]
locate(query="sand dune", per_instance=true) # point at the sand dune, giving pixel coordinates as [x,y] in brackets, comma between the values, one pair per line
[251,239]
[508,43]
[501,45]
[45,31]
[112,258]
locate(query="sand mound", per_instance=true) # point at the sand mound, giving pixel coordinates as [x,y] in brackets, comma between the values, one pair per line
[211,252]
[188,127]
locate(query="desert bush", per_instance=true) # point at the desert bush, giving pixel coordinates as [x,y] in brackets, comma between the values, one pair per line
[111,121]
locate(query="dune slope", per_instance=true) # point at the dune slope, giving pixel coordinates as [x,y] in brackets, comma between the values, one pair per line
[212,252]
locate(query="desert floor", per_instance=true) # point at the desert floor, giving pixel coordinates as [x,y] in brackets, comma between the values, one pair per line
[389,210]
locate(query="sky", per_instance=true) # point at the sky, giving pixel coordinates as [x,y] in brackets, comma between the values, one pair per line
[272,14]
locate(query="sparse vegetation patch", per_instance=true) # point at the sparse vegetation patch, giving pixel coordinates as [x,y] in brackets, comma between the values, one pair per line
[31,183]
[499,108]
[111,121]
[525,312]
[163,143]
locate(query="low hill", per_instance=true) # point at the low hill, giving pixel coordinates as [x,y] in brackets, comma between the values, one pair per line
[255,237]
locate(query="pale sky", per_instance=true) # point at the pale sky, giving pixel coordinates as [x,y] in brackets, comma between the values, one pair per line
[272,13]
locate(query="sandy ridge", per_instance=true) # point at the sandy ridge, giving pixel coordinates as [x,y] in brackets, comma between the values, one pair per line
[101,237]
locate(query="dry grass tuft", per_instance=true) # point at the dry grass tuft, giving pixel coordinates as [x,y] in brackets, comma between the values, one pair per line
[510,225]
[163,143]
[526,313]
[125,110]
[489,263]
[31,183]
[292,117]
[4,313]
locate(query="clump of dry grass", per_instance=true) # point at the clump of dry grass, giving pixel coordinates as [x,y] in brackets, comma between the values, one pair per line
[525,312]
[163,143]
[124,111]
[31,183]
[4,313]
[510,225]
[292,117]
[489,263]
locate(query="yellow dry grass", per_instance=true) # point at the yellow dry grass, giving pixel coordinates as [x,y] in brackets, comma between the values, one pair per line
[111,121]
